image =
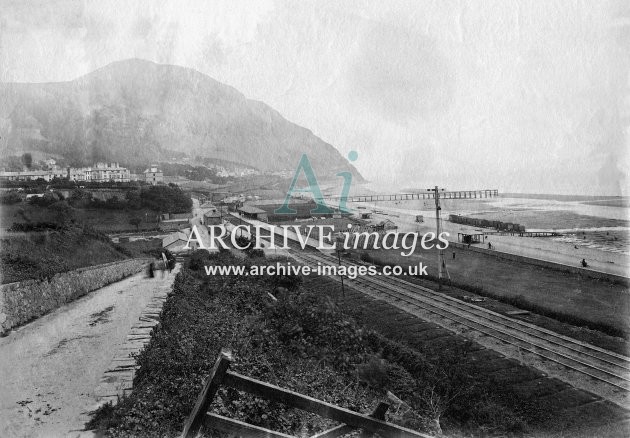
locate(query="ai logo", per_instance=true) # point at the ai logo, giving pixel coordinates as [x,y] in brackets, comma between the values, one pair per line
[313,187]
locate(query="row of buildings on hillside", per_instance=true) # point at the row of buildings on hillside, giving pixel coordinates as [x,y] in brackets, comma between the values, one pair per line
[100,172]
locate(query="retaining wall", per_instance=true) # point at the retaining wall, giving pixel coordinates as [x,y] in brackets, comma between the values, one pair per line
[25,300]
[546,264]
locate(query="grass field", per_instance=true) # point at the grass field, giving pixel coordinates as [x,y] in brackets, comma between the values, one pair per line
[597,304]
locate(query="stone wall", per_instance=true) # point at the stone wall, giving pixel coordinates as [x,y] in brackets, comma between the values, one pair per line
[25,300]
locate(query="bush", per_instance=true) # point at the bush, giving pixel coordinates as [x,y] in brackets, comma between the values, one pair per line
[10,198]
[311,327]
[244,242]
[47,199]
[166,199]
[62,213]
[93,233]
[35,268]
[38,226]
[123,250]
[80,198]
[290,282]
[198,259]
[256,253]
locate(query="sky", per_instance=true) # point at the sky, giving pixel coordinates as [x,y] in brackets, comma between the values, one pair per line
[522,96]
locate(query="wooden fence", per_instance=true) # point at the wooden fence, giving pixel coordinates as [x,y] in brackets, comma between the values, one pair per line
[220,375]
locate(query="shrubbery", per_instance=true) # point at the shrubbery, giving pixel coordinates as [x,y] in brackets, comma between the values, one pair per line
[198,259]
[302,341]
[10,198]
[165,198]
[312,327]
[33,266]
[250,247]
[157,198]
[38,226]
[256,253]
[50,248]
[193,173]
[92,233]
[244,242]
[47,199]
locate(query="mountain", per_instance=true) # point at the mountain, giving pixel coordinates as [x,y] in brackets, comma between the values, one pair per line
[137,112]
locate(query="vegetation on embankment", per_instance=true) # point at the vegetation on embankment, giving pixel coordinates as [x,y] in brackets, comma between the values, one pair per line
[49,234]
[53,249]
[305,342]
[569,298]
[131,208]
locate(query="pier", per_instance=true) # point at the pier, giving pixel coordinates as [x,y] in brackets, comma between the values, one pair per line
[456,194]
[528,233]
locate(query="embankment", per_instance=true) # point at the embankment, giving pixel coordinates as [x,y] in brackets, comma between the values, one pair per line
[26,300]
[591,273]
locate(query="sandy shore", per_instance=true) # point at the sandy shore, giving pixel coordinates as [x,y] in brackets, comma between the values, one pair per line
[536,247]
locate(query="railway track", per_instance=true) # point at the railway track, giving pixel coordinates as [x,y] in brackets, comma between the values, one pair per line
[609,370]
[605,367]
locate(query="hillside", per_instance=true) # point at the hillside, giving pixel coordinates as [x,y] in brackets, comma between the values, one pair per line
[137,112]
[43,254]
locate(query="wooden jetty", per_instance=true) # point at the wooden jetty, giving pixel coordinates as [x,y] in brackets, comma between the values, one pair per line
[528,233]
[461,194]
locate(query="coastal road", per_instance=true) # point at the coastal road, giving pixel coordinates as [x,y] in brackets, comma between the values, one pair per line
[197,220]
[50,367]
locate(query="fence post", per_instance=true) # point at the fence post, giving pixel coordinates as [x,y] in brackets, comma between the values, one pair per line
[196,418]
[344,429]
[379,414]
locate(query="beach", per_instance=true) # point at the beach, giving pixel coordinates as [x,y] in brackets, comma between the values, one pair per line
[602,241]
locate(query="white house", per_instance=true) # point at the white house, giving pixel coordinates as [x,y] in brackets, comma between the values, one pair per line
[105,172]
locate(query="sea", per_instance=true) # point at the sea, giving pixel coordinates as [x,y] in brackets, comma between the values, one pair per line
[601,223]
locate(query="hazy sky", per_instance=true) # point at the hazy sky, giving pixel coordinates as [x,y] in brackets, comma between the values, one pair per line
[529,96]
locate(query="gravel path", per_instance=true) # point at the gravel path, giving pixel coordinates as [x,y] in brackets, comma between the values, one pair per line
[50,367]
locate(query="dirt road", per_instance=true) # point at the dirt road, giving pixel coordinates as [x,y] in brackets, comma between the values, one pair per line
[50,367]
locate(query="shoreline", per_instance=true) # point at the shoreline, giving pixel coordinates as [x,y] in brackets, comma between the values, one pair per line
[540,248]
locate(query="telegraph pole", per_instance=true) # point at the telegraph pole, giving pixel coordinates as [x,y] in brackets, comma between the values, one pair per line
[438,230]
[338,247]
